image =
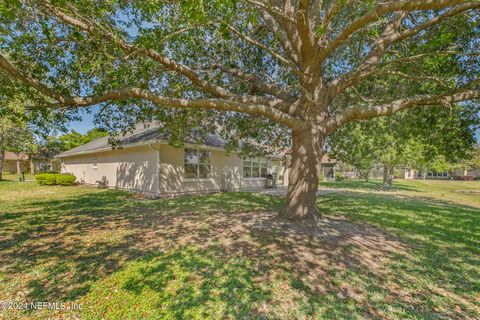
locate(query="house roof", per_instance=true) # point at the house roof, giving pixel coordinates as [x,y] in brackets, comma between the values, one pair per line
[327,159]
[140,137]
[13,156]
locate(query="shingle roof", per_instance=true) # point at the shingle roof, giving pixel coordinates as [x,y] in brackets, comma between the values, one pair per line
[140,136]
[13,156]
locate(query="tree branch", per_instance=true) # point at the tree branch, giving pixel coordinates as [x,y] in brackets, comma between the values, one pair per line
[66,101]
[380,11]
[416,78]
[271,9]
[305,34]
[268,88]
[279,33]
[364,113]
[132,49]
[389,37]
[274,54]
[376,53]
[315,9]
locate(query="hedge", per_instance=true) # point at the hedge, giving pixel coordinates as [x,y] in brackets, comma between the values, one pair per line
[50,179]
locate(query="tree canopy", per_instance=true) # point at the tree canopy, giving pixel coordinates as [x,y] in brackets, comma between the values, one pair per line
[311,66]
[74,139]
[418,139]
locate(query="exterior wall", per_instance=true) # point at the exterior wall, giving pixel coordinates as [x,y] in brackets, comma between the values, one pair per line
[160,169]
[328,170]
[410,174]
[132,168]
[475,173]
[461,173]
[279,168]
[227,173]
[11,166]
[413,174]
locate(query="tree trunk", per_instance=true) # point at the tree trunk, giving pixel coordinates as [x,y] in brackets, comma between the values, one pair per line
[391,174]
[307,148]
[2,160]
[32,166]
[17,162]
[387,177]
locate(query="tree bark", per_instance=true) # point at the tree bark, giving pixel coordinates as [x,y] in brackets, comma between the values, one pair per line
[391,174]
[17,162]
[307,149]
[387,180]
[2,159]
[32,165]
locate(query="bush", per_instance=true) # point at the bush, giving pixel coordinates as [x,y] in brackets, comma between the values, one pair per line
[339,176]
[65,179]
[47,179]
[397,174]
[321,177]
[50,179]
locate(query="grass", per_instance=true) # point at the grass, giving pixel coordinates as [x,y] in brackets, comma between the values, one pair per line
[16,177]
[409,253]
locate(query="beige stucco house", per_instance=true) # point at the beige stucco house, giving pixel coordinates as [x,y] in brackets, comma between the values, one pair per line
[16,163]
[146,162]
[459,174]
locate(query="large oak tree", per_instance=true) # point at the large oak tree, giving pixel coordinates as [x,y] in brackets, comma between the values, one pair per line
[310,65]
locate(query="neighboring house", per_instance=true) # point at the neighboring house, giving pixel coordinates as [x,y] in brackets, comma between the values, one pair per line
[433,175]
[328,166]
[146,162]
[16,163]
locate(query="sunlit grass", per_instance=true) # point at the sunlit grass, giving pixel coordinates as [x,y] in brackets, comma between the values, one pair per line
[227,256]
[16,177]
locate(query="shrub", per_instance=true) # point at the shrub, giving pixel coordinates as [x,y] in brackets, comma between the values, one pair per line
[47,179]
[321,177]
[339,176]
[50,179]
[397,174]
[65,179]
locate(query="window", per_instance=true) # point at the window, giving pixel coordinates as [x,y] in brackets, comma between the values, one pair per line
[94,163]
[438,174]
[255,168]
[198,164]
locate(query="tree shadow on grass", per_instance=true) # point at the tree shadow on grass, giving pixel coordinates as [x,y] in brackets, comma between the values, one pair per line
[445,240]
[245,266]
[245,262]
[184,283]
[90,235]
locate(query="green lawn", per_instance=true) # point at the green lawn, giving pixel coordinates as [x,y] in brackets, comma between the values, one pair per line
[409,253]
[16,177]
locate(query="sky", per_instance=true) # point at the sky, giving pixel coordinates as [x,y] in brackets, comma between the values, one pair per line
[86,123]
